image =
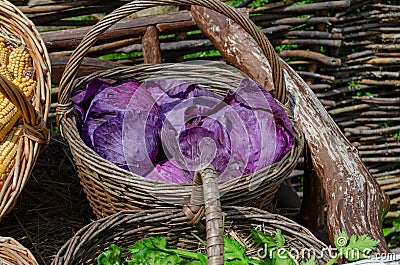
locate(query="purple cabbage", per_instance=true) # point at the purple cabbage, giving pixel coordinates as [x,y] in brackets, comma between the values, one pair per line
[102,108]
[269,129]
[170,171]
[164,129]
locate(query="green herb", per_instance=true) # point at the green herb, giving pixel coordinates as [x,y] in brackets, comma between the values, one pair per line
[276,253]
[394,229]
[353,249]
[112,256]
[234,254]
[210,53]
[353,84]
[154,251]
[311,261]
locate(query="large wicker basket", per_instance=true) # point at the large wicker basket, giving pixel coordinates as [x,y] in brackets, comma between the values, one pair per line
[182,228]
[12,252]
[111,189]
[34,113]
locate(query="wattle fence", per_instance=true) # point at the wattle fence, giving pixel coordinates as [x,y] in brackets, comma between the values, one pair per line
[348,51]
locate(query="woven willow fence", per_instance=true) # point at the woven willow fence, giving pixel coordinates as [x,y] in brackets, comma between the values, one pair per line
[348,51]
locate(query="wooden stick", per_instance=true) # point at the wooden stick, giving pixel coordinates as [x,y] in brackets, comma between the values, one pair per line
[151,46]
[59,7]
[69,39]
[355,201]
[332,43]
[315,75]
[309,7]
[330,61]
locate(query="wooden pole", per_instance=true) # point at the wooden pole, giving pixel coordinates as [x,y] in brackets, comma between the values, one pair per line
[355,201]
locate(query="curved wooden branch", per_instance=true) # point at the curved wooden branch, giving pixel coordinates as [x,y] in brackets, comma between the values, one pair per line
[355,201]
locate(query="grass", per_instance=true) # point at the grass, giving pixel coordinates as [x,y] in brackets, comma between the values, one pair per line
[120,56]
[204,54]
[392,233]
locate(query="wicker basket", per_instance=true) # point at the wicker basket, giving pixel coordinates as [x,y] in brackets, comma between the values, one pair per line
[111,189]
[35,135]
[13,253]
[179,227]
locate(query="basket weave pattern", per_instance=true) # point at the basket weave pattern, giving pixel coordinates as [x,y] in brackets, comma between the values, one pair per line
[12,252]
[126,227]
[111,189]
[35,136]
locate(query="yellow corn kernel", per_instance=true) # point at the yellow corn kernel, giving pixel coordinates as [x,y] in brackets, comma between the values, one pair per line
[26,84]
[4,72]
[9,115]
[8,152]
[5,51]
[19,61]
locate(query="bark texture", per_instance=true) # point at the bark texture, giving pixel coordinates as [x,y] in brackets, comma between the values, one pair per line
[355,201]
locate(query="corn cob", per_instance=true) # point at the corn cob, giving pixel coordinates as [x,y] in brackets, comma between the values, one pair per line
[9,115]
[4,72]
[8,151]
[5,51]
[17,68]
[19,62]
[26,84]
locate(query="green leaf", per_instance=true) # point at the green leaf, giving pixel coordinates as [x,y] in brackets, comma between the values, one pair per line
[396,224]
[362,243]
[332,261]
[233,250]
[147,242]
[387,231]
[112,256]
[311,261]
[353,249]
[257,261]
[263,238]
[280,240]
[183,253]
[341,240]
[202,259]
[287,261]
[357,248]
[159,242]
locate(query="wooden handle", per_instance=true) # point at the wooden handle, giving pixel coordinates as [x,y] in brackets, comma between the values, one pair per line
[93,35]
[34,125]
[205,199]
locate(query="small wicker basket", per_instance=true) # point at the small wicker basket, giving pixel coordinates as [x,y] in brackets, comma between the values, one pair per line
[111,189]
[13,253]
[34,113]
[179,227]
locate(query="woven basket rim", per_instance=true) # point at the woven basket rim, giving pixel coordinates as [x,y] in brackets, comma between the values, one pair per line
[136,188]
[143,67]
[239,217]
[124,187]
[131,7]
[35,134]
[15,252]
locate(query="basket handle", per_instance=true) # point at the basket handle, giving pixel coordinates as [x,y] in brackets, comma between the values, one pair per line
[94,34]
[34,126]
[205,199]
